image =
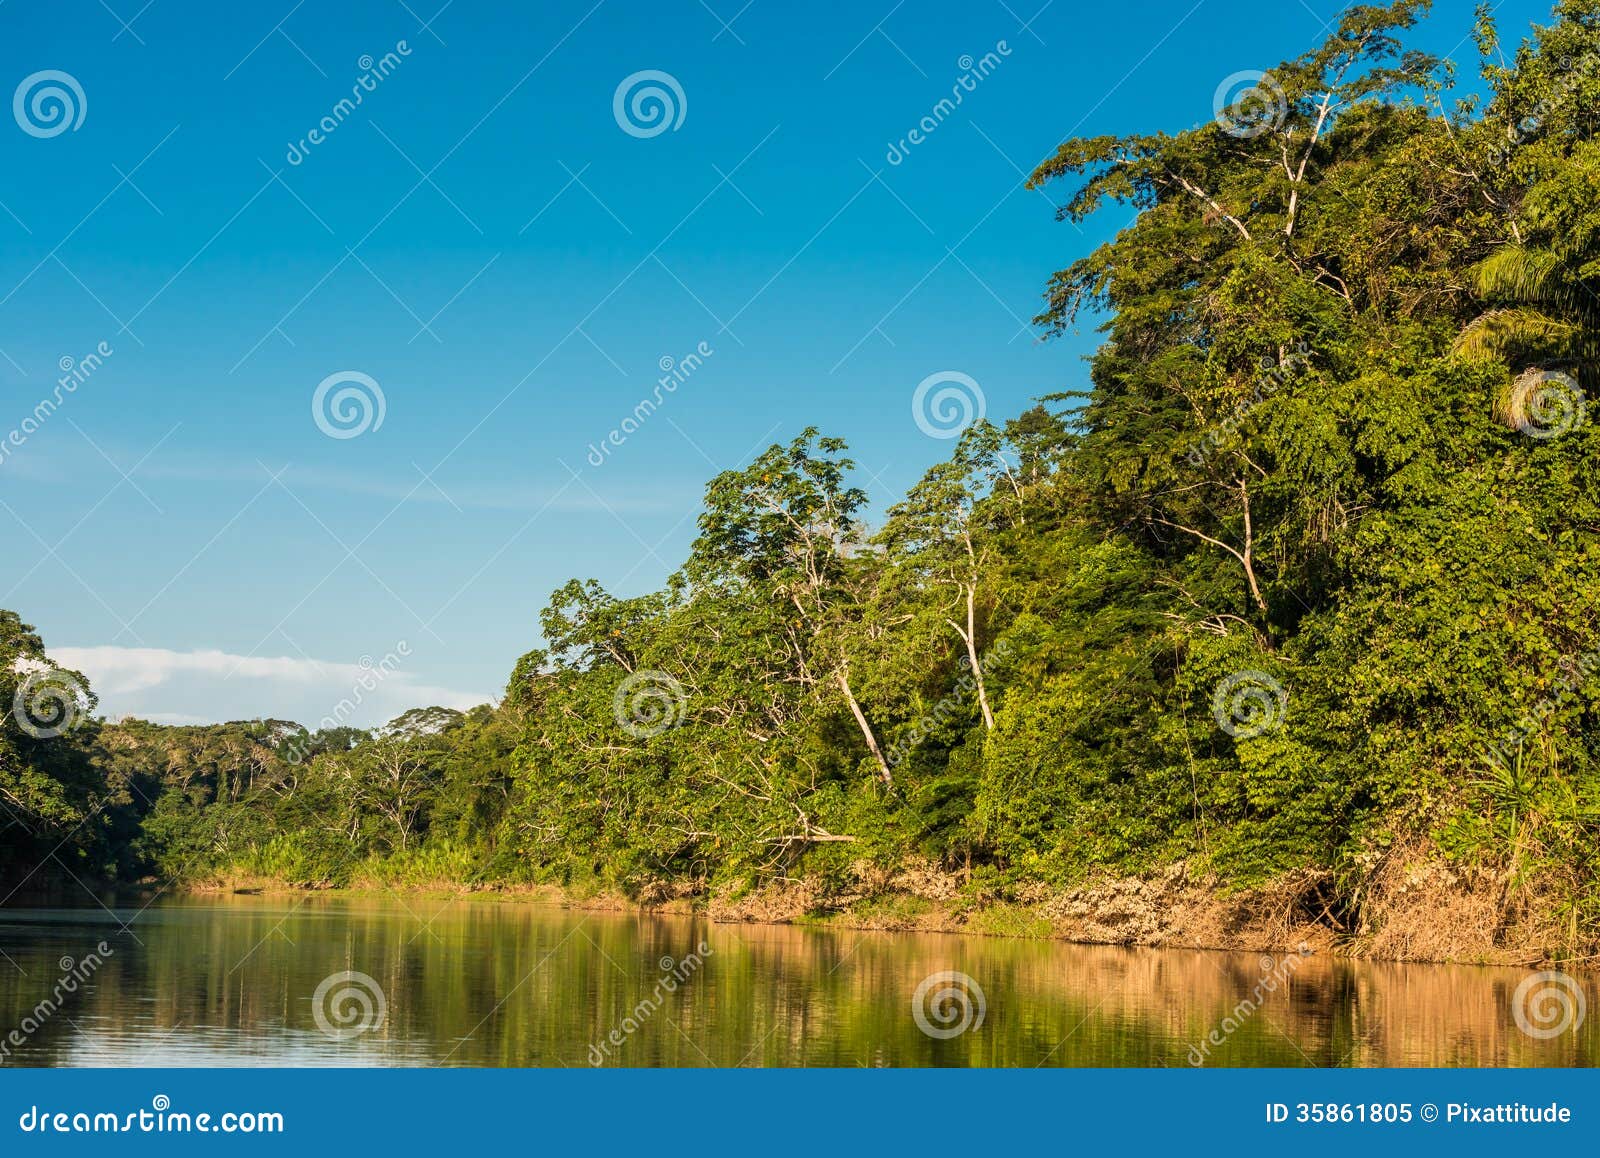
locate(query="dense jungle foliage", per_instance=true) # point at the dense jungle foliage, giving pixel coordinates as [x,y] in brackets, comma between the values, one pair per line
[1310,576]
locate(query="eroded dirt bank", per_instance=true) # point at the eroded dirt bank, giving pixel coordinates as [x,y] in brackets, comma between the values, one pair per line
[1420,911]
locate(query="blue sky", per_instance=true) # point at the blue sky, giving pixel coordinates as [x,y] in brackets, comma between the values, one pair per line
[484,239]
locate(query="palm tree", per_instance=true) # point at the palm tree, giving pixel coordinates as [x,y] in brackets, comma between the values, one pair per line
[1544,315]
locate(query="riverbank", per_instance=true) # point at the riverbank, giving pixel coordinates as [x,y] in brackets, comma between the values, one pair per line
[1420,912]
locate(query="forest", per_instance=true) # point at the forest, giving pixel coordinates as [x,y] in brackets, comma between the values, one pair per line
[1300,592]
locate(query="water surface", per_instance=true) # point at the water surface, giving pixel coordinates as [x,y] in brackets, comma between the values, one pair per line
[234,981]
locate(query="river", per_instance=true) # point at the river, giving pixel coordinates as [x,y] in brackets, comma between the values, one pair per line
[414,981]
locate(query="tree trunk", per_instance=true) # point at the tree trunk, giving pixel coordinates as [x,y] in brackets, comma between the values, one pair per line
[972,658]
[866,729]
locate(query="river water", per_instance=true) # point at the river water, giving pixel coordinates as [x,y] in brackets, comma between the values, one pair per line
[246,981]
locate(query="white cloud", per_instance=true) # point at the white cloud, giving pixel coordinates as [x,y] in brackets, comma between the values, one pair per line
[212,686]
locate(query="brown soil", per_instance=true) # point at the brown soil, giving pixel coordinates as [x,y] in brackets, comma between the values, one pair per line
[1410,911]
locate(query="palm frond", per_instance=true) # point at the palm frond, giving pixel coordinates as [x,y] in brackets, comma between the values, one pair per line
[1542,402]
[1520,333]
[1518,274]
[1546,278]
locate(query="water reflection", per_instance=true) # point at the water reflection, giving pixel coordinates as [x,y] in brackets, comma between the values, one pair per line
[230,981]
